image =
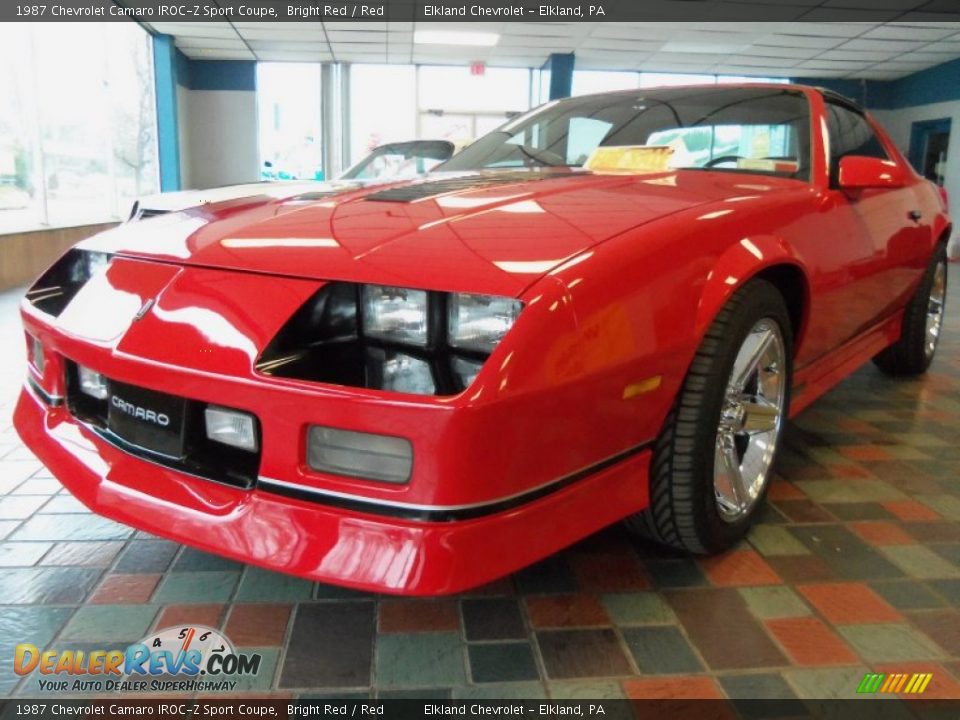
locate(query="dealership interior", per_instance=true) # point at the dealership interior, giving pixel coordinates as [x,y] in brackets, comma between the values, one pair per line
[854,565]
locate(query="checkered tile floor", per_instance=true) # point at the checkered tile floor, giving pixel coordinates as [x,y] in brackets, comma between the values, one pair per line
[855,568]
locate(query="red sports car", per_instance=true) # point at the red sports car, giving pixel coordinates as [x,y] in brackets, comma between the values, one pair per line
[606,309]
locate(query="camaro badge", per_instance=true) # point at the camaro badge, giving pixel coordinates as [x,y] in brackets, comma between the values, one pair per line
[135,411]
[144,309]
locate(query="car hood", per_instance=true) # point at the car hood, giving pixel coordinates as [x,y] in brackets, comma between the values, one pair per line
[489,232]
[183,199]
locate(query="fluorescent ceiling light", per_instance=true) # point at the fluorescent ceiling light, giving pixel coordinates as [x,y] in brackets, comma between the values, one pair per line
[455,37]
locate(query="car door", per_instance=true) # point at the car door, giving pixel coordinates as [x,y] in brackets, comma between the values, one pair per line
[880,221]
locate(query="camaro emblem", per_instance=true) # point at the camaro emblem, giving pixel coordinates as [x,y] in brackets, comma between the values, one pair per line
[140,413]
[144,309]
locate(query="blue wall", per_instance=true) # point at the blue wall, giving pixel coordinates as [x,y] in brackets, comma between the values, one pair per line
[173,68]
[933,85]
[165,72]
[560,67]
[219,74]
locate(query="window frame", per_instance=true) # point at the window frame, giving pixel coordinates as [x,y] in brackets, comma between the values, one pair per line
[833,173]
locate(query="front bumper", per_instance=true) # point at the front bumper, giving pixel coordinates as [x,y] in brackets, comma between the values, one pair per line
[312,539]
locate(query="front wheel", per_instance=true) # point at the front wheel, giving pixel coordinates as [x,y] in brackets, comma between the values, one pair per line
[922,323]
[714,457]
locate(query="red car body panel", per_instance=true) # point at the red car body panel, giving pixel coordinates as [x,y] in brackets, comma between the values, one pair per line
[495,240]
[620,278]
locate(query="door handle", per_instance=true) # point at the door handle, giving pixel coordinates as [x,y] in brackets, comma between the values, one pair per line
[915,215]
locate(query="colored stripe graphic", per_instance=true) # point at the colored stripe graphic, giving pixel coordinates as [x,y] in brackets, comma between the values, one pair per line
[908,683]
[918,683]
[870,683]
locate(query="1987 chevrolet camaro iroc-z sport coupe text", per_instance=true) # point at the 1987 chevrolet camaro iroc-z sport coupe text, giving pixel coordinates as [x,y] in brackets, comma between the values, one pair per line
[606,309]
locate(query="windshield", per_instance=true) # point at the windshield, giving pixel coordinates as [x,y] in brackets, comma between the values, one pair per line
[740,129]
[400,160]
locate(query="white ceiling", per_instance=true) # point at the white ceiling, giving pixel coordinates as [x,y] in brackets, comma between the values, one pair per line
[874,50]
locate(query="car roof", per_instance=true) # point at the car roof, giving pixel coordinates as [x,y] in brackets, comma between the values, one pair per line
[794,87]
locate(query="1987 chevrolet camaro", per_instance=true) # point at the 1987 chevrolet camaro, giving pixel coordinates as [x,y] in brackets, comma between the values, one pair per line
[419,387]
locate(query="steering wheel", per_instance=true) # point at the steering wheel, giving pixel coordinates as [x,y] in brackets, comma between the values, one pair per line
[542,157]
[723,159]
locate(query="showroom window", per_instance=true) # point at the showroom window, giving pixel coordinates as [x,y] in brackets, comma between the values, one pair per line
[288,105]
[586,82]
[383,106]
[656,79]
[78,139]
[455,105]
[733,79]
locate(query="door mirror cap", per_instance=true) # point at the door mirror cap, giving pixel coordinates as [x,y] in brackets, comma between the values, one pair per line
[858,172]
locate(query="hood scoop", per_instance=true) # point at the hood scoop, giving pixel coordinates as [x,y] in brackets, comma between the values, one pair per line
[431,188]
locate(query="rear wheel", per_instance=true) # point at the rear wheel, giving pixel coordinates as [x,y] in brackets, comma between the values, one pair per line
[713,459]
[922,323]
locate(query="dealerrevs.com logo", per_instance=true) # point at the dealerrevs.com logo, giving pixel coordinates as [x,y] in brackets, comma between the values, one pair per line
[175,659]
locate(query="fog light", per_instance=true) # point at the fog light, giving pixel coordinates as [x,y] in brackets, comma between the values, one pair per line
[92,383]
[231,427]
[37,358]
[357,454]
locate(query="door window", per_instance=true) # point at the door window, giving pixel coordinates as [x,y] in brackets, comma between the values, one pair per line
[850,134]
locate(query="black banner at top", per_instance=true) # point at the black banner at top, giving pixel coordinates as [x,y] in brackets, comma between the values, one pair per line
[911,11]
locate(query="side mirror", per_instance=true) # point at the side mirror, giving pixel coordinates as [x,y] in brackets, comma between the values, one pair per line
[859,173]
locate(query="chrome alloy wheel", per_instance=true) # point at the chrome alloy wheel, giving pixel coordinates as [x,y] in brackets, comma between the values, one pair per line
[938,296]
[751,419]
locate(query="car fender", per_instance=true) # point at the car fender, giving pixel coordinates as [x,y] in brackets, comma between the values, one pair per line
[736,266]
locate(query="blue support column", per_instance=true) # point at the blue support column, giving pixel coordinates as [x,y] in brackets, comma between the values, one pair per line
[168,132]
[560,68]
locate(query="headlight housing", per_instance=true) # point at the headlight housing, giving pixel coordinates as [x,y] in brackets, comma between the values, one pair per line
[479,322]
[65,278]
[96,261]
[390,338]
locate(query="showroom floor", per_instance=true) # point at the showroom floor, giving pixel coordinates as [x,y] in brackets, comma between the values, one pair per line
[855,567]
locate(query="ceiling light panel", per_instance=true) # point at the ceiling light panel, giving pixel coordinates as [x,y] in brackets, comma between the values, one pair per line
[455,37]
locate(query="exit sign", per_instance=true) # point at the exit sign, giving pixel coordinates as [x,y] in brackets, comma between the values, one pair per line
[478,68]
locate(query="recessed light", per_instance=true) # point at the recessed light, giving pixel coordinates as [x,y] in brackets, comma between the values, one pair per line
[455,37]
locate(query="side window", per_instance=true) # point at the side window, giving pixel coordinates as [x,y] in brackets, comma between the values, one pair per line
[850,134]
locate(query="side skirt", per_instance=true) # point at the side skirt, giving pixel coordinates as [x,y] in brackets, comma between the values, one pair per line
[814,379]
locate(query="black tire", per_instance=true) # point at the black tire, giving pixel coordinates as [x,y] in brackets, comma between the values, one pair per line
[908,355]
[683,512]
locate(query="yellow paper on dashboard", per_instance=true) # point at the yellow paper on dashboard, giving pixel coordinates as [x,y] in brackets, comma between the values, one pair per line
[629,159]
